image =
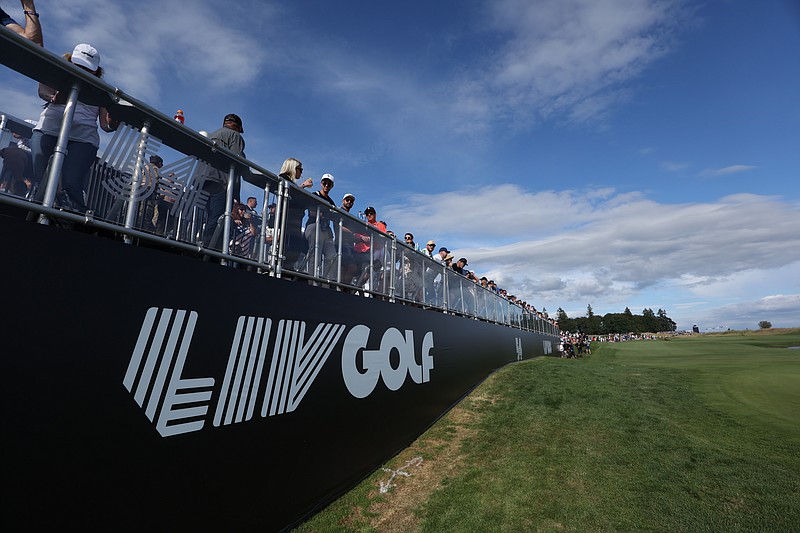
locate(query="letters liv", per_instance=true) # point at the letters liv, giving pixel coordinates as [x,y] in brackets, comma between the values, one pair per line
[177,405]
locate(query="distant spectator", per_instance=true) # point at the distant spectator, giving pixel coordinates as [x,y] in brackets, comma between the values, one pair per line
[250,207]
[32,30]
[459,266]
[148,207]
[15,159]
[269,231]
[429,248]
[169,190]
[434,279]
[244,231]
[409,239]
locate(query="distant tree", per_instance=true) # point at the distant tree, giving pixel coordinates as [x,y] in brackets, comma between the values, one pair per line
[589,311]
[628,311]
[765,324]
[649,322]
[565,323]
[665,323]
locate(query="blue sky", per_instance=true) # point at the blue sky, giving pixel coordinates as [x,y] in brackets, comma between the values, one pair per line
[639,153]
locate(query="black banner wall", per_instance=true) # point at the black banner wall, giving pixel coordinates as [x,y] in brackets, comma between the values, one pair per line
[143,389]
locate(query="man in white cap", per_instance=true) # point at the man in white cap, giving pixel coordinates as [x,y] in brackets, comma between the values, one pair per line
[347,202]
[318,231]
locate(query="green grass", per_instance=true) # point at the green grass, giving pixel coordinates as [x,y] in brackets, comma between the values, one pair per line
[693,434]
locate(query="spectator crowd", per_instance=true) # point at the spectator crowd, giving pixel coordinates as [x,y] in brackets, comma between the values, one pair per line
[318,240]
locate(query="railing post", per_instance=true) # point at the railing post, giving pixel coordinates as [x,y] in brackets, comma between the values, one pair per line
[278,235]
[445,288]
[371,260]
[316,271]
[226,225]
[393,254]
[138,173]
[262,250]
[60,152]
[339,251]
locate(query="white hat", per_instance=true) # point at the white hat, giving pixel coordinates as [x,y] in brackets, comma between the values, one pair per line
[327,177]
[87,56]
[353,196]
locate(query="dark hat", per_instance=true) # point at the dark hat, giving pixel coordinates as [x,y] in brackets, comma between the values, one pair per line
[156,160]
[464,260]
[230,117]
[370,209]
[443,249]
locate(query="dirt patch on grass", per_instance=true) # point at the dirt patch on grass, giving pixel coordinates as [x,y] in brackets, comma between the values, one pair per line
[420,469]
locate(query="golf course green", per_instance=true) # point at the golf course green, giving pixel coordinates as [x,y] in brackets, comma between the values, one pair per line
[693,433]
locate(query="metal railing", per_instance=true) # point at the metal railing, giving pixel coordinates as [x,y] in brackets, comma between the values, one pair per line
[304,237]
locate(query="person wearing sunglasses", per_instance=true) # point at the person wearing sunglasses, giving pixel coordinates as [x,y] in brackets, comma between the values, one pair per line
[294,244]
[320,236]
[409,240]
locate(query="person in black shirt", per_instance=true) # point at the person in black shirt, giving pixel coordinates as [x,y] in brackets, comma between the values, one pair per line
[318,232]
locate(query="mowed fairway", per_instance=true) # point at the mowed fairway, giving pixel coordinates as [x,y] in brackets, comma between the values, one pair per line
[691,434]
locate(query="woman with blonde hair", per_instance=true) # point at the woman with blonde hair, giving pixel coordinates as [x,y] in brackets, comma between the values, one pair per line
[294,240]
[291,170]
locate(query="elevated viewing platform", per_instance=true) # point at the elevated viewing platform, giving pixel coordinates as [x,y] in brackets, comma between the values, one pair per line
[180,375]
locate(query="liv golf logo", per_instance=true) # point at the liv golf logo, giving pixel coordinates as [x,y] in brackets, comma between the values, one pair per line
[176,404]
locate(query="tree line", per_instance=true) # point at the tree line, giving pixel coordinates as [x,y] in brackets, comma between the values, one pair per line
[625,322]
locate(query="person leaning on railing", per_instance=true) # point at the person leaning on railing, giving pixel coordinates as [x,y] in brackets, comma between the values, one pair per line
[347,246]
[294,242]
[321,249]
[83,137]
[216,181]
[364,243]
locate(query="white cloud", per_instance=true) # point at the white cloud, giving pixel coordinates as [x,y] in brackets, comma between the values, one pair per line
[568,58]
[579,246]
[733,169]
[782,310]
[671,166]
[187,40]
